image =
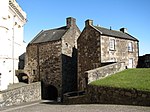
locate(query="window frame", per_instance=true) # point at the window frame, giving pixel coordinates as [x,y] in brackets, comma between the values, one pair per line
[130,47]
[112,44]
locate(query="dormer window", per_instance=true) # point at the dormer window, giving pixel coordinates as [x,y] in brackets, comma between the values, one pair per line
[130,47]
[112,44]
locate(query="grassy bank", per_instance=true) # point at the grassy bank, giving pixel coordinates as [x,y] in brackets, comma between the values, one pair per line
[132,78]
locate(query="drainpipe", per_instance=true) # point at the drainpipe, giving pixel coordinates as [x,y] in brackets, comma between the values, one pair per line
[13,47]
[13,61]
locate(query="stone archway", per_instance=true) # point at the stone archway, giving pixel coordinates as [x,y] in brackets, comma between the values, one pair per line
[22,77]
[49,92]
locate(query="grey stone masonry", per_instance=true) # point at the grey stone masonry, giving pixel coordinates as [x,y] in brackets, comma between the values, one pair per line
[121,52]
[89,54]
[104,71]
[111,95]
[144,61]
[51,57]
[26,93]
[98,45]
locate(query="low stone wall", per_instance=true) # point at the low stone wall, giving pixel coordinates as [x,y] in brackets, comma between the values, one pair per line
[109,95]
[28,93]
[104,71]
[75,98]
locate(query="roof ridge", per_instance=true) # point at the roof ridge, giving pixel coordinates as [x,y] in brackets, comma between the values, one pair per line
[132,36]
[115,33]
[59,28]
[109,29]
[49,35]
[37,36]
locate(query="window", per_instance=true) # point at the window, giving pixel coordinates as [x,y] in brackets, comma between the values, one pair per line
[130,47]
[34,72]
[112,44]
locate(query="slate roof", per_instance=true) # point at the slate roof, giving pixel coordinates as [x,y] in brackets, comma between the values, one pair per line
[49,35]
[115,33]
[22,57]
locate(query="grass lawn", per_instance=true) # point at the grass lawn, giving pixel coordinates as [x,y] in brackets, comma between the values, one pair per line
[131,78]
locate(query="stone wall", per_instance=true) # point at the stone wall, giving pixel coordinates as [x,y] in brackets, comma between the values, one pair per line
[94,49]
[31,62]
[27,93]
[104,71]
[55,62]
[69,56]
[78,97]
[89,53]
[110,95]
[75,100]
[44,63]
[121,51]
[50,63]
[144,61]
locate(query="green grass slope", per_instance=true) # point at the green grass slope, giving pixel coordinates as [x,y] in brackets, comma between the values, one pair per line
[131,78]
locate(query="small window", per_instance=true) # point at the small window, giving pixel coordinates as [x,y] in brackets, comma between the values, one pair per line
[34,72]
[112,44]
[130,47]
[66,44]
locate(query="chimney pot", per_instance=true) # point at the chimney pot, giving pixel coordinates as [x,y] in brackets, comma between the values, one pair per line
[89,22]
[70,21]
[124,30]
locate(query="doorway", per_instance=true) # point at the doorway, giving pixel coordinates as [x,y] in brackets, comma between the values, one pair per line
[130,63]
[49,92]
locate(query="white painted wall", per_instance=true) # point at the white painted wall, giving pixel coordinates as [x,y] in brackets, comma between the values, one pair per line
[11,41]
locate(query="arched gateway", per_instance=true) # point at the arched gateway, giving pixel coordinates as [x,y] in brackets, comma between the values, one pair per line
[49,92]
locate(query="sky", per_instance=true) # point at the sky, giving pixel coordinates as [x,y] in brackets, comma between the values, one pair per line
[131,14]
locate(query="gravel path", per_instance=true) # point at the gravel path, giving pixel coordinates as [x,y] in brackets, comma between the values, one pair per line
[47,107]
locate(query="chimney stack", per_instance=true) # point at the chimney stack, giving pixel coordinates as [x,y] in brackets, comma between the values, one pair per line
[70,21]
[124,30]
[89,22]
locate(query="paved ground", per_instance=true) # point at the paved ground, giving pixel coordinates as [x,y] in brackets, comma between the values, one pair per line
[48,107]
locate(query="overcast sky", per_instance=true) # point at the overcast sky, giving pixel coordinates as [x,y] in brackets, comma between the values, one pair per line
[131,14]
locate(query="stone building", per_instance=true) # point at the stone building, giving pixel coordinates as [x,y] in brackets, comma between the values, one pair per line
[51,58]
[98,46]
[144,61]
[12,21]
